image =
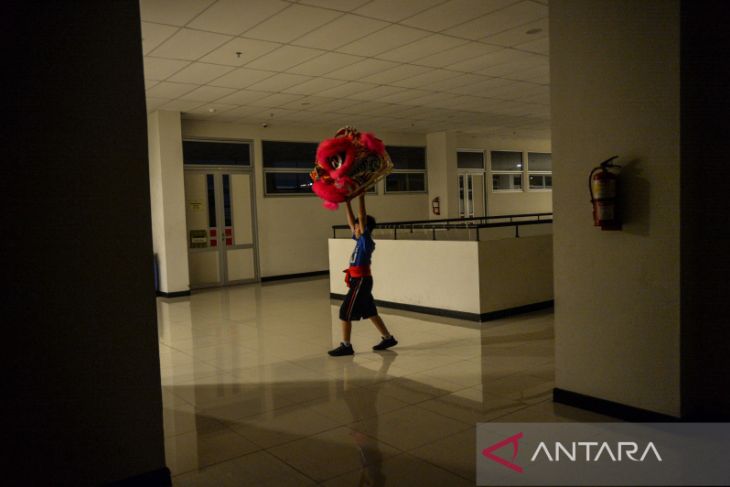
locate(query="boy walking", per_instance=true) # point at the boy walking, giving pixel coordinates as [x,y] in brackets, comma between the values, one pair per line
[359,303]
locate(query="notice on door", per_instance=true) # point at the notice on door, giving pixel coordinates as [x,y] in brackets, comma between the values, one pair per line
[198,239]
[195,205]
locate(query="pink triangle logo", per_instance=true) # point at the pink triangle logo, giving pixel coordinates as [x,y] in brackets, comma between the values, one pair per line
[515,441]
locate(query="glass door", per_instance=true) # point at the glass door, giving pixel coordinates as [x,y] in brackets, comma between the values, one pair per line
[472,201]
[220,226]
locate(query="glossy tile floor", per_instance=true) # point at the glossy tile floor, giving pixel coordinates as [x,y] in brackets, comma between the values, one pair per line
[251,397]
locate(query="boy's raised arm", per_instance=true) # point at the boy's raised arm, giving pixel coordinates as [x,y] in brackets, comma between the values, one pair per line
[362,215]
[350,216]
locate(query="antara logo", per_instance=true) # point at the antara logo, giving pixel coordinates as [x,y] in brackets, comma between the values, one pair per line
[590,451]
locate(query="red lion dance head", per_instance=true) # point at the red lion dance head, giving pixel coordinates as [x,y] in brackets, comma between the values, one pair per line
[348,165]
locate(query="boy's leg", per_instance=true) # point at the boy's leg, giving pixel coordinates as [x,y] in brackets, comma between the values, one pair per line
[346,331]
[388,339]
[380,325]
[345,348]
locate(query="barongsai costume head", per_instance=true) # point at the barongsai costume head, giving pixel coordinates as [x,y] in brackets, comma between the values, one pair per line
[348,165]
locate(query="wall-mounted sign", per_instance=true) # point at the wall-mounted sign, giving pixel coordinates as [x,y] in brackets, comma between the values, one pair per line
[195,205]
[198,239]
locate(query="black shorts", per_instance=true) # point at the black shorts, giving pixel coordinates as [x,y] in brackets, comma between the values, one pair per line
[359,303]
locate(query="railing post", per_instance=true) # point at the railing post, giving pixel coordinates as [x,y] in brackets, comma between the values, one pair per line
[395,233]
[434,232]
[517,231]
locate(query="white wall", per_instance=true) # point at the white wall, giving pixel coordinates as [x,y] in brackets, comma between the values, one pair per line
[615,91]
[515,271]
[293,230]
[167,192]
[467,276]
[441,275]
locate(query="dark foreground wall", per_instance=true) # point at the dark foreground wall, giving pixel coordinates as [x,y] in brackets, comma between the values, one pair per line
[705,236]
[81,349]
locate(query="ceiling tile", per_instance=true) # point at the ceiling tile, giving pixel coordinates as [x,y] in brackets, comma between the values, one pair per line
[314,86]
[404,96]
[153,103]
[200,73]
[377,93]
[539,46]
[166,89]
[174,12]
[536,74]
[501,20]
[395,11]
[423,80]
[279,82]
[155,34]
[189,44]
[490,59]
[292,22]
[362,69]
[397,73]
[519,35]
[344,5]
[241,97]
[180,105]
[339,32]
[456,54]
[249,50]
[207,93]
[274,100]
[236,16]
[453,13]
[212,109]
[421,48]
[149,83]
[241,78]
[320,104]
[383,40]
[325,63]
[156,68]
[450,84]
[284,58]
[344,91]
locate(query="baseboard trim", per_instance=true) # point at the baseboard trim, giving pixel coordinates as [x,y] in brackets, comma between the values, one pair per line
[294,276]
[156,478]
[462,315]
[610,408]
[176,294]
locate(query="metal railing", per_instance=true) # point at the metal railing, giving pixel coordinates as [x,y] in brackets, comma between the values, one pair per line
[448,224]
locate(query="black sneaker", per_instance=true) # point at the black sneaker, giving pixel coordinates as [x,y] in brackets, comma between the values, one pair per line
[386,343]
[342,350]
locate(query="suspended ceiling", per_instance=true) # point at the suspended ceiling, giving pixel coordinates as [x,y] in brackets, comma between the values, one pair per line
[474,66]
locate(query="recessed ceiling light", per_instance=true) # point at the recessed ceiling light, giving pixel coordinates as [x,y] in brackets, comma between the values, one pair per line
[211,110]
[533,31]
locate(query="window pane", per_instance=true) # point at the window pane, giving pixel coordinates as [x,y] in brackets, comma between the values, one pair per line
[506,161]
[537,182]
[211,200]
[407,157]
[470,160]
[216,153]
[288,183]
[548,181]
[405,182]
[292,155]
[227,199]
[539,161]
[506,181]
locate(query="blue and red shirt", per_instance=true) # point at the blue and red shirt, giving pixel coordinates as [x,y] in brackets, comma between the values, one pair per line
[364,247]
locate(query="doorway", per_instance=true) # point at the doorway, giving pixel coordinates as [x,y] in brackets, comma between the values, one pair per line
[220,227]
[472,196]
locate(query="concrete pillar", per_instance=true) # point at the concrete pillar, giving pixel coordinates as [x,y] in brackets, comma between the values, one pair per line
[167,190]
[442,179]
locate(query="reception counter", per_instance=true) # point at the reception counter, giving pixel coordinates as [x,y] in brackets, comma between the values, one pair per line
[473,280]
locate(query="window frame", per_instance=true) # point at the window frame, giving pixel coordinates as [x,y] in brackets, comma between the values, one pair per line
[539,173]
[423,171]
[285,170]
[520,173]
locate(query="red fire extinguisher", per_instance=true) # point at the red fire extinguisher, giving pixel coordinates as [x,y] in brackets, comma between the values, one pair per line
[602,184]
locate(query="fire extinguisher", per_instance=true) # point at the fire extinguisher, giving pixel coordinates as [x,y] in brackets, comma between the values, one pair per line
[436,206]
[603,187]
